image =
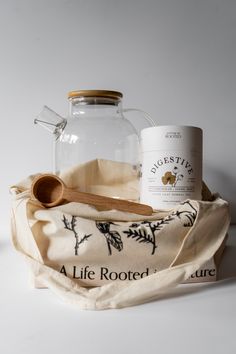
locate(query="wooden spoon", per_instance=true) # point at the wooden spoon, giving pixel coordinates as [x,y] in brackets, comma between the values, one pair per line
[50,191]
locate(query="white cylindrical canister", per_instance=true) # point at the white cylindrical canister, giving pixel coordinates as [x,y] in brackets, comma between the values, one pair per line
[171,165]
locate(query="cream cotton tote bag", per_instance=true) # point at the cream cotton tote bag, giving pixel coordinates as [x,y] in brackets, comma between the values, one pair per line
[110,259]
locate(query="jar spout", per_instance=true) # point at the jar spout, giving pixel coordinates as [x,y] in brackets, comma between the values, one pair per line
[51,121]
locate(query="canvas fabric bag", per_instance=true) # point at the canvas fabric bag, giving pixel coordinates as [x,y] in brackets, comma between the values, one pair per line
[111,259]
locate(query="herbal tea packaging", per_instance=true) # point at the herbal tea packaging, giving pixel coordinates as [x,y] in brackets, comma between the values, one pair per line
[171,165]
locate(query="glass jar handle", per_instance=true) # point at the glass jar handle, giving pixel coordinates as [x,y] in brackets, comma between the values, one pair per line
[147,117]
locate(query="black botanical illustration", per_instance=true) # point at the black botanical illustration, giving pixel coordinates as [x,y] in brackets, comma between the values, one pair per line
[71,225]
[144,232]
[113,238]
[141,235]
[188,216]
[177,174]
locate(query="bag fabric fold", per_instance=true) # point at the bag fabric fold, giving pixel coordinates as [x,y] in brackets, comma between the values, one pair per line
[111,259]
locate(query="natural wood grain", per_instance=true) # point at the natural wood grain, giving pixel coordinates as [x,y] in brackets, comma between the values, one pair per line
[50,191]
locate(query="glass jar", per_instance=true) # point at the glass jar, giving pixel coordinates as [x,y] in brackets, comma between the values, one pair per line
[96,129]
[97,141]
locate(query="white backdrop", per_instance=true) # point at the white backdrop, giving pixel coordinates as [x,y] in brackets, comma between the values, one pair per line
[172,58]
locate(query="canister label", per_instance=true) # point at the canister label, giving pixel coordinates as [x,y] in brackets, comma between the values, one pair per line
[169,178]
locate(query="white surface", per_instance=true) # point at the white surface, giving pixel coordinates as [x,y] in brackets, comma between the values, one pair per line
[174,59]
[193,319]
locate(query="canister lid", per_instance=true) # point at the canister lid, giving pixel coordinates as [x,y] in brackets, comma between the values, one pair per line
[95,93]
[171,137]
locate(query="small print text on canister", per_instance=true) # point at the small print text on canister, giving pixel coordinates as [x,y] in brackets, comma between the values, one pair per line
[171,165]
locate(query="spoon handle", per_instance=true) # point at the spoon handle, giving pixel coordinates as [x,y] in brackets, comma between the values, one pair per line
[107,203]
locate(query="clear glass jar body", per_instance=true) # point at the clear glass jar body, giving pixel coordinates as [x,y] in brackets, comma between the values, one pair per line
[99,137]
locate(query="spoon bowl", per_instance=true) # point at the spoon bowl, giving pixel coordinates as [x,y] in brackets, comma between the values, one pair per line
[48,190]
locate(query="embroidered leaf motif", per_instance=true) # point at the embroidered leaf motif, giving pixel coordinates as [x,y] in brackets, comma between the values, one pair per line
[187,216]
[66,223]
[141,236]
[158,225]
[113,238]
[70,225]
[85,238]
[73,222]
[142,232]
